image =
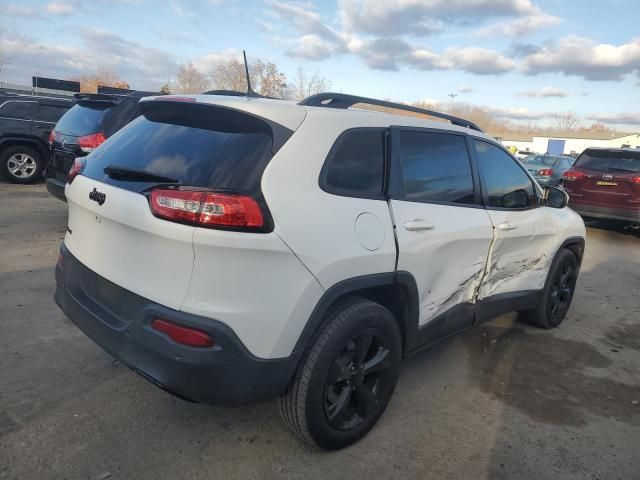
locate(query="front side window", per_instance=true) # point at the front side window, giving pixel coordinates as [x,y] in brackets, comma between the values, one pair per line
[506,183]
[436,167]
[356,167]
[18,110]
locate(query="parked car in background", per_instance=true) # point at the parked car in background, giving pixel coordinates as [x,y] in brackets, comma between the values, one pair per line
[604,183]
[522,154]
[234,250]
[25,124]
[547,169]
[93,119]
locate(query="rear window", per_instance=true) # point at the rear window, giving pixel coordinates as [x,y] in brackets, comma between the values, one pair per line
[608,161]
[541,161]
[81,120]
[198,145]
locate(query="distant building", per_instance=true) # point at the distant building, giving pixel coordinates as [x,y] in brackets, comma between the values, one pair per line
[573,142]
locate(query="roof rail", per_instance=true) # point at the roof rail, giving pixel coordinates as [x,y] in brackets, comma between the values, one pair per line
[344,101]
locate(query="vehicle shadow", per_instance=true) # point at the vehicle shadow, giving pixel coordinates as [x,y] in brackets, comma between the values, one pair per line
[617,227]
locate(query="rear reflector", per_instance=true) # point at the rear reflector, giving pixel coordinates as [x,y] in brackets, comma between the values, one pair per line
[89,143]
[572,175]
[76,169]
[546,172]
[206,209]
[182,335]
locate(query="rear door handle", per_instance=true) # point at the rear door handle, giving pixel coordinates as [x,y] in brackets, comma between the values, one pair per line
[417,225]
[507,226]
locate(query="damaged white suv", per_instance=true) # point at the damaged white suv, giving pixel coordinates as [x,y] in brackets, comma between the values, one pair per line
[234,250]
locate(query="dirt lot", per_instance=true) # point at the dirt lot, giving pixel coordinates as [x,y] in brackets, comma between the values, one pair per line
[501,401]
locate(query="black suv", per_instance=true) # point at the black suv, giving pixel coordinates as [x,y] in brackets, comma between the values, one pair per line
[93,119]
[25,124]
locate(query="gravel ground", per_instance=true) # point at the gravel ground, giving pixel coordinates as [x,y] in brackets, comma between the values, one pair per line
[502,401]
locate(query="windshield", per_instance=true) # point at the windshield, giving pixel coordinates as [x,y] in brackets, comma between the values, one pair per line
[610,161]
[540,161]
[81,120]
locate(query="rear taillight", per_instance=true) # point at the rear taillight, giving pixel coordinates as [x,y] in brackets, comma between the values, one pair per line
[572,175]
[89,143]
[52,137]
[183,335]
[76,169]
[206,209]
[545,172]
[636,179]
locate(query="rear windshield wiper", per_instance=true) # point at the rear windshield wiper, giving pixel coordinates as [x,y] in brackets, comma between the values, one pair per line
[131,175]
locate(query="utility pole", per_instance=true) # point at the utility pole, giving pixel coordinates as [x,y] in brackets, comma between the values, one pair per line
[452,96]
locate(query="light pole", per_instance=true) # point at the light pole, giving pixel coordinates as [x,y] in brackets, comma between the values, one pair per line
[452,96]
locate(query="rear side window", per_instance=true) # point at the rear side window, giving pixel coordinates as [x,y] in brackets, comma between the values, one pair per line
[19,110]
[197,145]
[436,167]
[81,120]
[507,185]
[609,161]
[50,113]
[356,165]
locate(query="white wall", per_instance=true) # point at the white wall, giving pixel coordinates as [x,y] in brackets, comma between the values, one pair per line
[539,144]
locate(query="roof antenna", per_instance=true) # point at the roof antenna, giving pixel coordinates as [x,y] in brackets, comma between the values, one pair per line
[250,92]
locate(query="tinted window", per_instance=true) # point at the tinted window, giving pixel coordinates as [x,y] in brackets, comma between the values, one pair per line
[609,161]
[81,120]
[436,167]
[357,164]
[508,186]
[50,113]
[541,161]
[21,110]
[206,147]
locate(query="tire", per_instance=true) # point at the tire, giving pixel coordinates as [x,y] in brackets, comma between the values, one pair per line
[21,164]
[332,401]
[557,294]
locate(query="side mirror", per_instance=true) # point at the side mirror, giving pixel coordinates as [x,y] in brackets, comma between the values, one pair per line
[555,198]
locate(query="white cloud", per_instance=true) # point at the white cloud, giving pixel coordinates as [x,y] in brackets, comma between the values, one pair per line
[582,57]
[616,118]
[311,47]
[465,89]
[424,17]
[60,8]
[546,92]
[518,28]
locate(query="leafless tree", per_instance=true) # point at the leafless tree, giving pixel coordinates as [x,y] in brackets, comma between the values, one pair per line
[230,75]
[166,89]
[103,76]
[190,80]
[4,58]
[305,85]
[568,122]
[270,81]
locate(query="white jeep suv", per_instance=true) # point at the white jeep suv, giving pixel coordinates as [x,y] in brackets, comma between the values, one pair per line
[235,250]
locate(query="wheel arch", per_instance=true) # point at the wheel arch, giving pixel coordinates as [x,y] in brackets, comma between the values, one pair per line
[36,143]
[575,245]
[396,291]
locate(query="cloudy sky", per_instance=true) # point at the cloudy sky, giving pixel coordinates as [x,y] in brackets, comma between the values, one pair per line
[521,59]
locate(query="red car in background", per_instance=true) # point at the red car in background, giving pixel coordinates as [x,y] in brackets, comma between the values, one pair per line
[604,183]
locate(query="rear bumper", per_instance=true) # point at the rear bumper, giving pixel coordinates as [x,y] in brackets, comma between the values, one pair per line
[56,188]
[597,211]
[119,321]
